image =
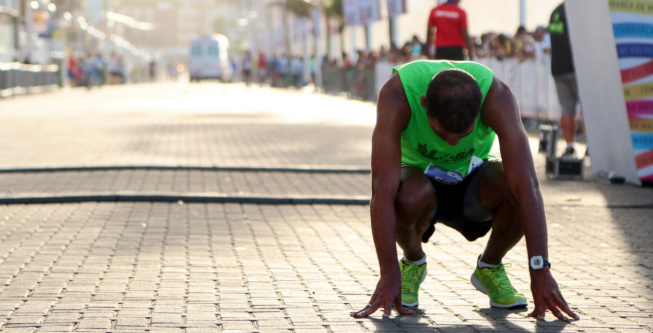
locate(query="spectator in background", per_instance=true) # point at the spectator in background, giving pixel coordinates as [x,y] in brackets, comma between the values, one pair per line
[347,63]
[152,67]
[74,71]
[504,47]
[482,45]
[262,68]
[542,43]
[394,55]
[312,69]
[523,44]
[100,68]
[296,71]
[89,68]
[365,63]
[171,69]
[274,72]
[283,69]
[116,69]
[564,76]
[447,31]
[383,53]
[415,48]
[247,68]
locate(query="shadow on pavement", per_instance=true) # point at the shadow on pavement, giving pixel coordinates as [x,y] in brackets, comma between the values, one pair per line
[497,321]
[612,272]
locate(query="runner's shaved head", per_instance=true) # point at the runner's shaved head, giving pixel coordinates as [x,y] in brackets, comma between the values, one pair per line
[453,98]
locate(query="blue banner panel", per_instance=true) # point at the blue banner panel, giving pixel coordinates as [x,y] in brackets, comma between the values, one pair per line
[632,50]
[642,141]
[633,30]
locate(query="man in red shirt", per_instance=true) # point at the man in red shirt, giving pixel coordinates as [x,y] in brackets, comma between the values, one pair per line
[447,30]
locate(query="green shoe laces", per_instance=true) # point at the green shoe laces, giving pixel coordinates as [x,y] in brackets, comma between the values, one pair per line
[409,277]
[500,278]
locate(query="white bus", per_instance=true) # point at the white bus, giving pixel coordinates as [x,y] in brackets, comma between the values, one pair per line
[209,58]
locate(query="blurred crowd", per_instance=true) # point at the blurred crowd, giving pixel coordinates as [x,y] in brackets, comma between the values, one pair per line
[297,71]
[278,71]
[522,45]
[289,71]
[93,69]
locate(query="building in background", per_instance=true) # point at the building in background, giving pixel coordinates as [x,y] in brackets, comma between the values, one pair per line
[9,13]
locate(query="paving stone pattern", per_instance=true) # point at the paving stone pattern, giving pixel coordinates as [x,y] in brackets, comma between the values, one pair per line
[180,267]
[136,267]
[155,181]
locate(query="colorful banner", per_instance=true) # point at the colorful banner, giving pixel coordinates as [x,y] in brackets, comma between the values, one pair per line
[644,160]
[633,33]
[634,50]
[369,11]
[632,6]
[638,91]
[641,125]
[396,8]
[316,17]
[642,141]
[351,12]
[637,72]
[300,28]
[636,30]
[357,12]
[639,108]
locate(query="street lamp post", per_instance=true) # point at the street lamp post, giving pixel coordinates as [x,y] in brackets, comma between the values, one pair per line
[318,14]
[28,8]
[522,13]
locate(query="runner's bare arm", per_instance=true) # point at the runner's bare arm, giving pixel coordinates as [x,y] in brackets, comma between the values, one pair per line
[393,115]
[501,113]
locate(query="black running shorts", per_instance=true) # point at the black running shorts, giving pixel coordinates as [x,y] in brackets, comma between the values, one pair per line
[458,207]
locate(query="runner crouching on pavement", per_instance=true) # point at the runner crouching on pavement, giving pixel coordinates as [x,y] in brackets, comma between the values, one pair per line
[436,123]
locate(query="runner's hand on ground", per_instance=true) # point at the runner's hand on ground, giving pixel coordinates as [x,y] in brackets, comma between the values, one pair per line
[547,296]
[387,294]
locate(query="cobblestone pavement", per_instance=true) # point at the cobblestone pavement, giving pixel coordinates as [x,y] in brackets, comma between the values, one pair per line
[223,182]
[238,267]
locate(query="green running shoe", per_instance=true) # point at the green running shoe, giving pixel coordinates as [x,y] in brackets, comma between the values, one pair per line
[411,277]
[494,282]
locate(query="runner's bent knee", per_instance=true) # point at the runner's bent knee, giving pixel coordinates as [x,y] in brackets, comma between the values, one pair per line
[415,194]
[493,190]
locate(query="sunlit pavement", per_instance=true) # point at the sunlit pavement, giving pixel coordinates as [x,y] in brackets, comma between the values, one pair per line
[222,208]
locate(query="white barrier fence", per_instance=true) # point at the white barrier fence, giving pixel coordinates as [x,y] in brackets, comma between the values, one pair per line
[532,84]
[530,81]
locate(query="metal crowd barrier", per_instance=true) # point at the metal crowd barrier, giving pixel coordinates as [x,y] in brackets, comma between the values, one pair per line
[18,79]
[531,83]
[355,83]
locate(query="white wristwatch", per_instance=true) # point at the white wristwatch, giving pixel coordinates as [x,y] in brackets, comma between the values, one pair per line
[537,263]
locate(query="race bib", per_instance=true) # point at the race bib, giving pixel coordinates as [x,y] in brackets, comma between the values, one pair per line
[451,177]
[443,176]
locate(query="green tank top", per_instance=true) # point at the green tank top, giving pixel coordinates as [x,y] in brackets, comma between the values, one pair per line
[420,146]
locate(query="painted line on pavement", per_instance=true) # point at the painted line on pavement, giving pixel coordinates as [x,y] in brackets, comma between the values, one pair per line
[292,169]
[184,198]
